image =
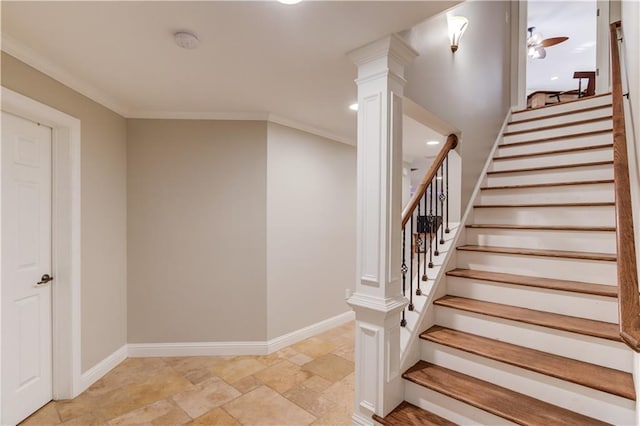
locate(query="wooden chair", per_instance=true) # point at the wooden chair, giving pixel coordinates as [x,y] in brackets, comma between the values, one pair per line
[590,90]
[591,83]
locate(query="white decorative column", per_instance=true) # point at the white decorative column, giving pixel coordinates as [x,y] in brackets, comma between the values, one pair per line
[378,300]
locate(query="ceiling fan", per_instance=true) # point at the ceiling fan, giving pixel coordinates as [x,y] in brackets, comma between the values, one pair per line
[536,44]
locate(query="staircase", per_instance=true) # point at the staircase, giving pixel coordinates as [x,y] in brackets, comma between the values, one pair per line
[527,332]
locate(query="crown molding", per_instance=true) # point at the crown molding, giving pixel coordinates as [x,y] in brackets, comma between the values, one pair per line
[277,119]
[202,115]
[45,66]
[392,45]
[241,116]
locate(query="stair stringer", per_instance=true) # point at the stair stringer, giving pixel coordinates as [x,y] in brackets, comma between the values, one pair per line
[423,315]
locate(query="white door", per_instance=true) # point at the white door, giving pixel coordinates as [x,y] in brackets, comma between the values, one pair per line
[25,230]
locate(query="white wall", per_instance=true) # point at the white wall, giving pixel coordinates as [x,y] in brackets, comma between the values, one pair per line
[630,16]
[470,89]
[311,228]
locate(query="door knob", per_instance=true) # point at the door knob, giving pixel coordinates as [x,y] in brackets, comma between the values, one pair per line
[44,280]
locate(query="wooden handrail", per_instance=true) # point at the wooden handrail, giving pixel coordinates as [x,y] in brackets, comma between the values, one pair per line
[629,305]
[451,143]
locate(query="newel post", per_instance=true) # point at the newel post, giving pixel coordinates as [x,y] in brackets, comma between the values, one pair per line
[378,299]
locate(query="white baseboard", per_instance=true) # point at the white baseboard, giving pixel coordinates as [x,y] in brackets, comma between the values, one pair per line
[237,348]
[304,333]
[96,372]
[137,350]
[358,420]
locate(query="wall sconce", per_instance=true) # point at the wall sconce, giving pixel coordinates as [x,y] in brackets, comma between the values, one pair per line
[457,26]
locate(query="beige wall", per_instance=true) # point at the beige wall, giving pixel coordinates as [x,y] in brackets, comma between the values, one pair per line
[197,230]
[185,201]
[104,227]
[311,228]
[470,88]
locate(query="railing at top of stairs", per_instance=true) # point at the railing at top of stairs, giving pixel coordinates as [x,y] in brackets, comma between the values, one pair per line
[426,215]
[629,303]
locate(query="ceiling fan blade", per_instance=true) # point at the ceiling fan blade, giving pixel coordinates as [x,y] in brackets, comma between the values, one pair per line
[548,42]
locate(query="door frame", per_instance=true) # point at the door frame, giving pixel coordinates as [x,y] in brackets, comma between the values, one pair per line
[519,63]
[603,47]
[519,54]
[66,231]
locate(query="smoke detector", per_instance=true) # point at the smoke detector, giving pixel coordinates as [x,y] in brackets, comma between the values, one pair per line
[186,40]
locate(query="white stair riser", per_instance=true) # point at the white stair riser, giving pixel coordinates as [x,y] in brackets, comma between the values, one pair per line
[580,399]
[588,241]
[602,192]
[571,345]
[569,118]
[589,306]
[574,142]
[576,216]
[560,131]
[450,408]
[597,272]
[575,157]
[572,174]
[556,109]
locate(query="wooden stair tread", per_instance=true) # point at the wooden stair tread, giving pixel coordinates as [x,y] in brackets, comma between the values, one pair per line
[556,138]
[588,327]
[539,252]
[604,379]
[539,282]
[549,184]
[554,152]
[582,204]
[560,114]
[562,166]
[559,126]
[542,227]
[407,414]
[561,103]
[519,408]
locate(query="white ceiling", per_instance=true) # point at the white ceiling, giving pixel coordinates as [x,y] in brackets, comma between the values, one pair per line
[415,136]
[255,58]
[574,19]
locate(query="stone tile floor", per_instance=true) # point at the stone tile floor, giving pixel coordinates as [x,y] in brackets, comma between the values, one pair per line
[309,383]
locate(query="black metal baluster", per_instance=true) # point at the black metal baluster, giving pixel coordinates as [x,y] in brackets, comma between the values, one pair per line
[411,267]
[442,198]
[435,219]
[419,243]
[403,269]
[424,236]
[431,224]
[447,230]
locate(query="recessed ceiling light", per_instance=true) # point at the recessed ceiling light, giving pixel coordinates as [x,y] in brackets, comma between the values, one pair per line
[433,142]
[289,1]
[186,40]
[353,107]
[555,77]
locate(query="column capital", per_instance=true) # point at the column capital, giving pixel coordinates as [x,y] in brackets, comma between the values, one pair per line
[392,52]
